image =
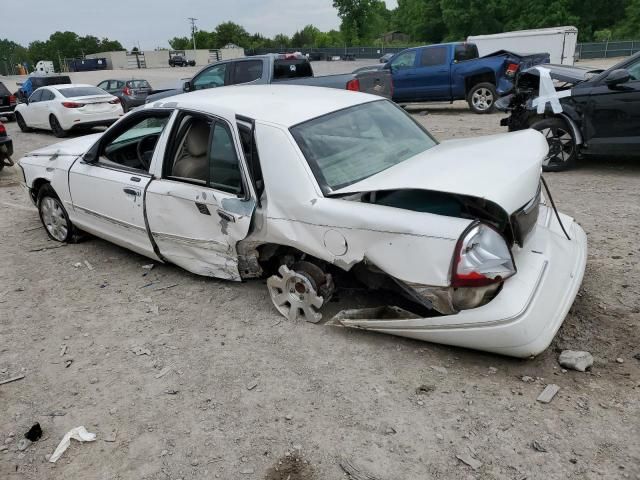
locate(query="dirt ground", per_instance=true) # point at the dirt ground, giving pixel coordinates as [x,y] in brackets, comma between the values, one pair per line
[183,377]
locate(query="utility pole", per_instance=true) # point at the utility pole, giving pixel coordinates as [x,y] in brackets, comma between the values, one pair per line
[193,30]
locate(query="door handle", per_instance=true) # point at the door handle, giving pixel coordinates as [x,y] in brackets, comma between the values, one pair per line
[131,191]
[226,216]
[135,179]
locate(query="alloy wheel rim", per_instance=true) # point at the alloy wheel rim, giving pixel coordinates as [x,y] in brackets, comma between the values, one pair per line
[54,218]
[294,295]
[482,99]
[560,146]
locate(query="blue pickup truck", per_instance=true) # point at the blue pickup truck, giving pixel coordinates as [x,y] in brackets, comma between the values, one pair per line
[453,71]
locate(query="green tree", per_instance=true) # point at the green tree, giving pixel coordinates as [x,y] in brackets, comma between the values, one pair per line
[359,19]
[281,41]
[421,20]
[229,32]
[180,43]
[306,37]
[629,27]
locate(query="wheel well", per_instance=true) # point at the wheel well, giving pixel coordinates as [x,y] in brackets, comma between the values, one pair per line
[472,81]
[37,185]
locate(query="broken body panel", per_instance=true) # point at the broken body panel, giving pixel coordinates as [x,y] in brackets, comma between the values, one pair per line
[215,233]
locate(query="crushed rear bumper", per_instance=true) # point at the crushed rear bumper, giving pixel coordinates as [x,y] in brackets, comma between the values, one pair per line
[523,318]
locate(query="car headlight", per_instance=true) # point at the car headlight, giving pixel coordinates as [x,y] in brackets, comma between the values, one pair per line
[482,257]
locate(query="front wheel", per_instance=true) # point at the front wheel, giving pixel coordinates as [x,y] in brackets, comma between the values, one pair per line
[482,98]
[54,217]
[56,128]
[563,150]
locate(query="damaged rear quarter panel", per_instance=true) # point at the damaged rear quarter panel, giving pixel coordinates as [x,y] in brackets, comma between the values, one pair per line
[410,246]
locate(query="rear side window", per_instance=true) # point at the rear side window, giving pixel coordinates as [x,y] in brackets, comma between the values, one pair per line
[224,168]
[433,56]
[81,91]
[36,96]
[247,71]
[467,51]
[291,68]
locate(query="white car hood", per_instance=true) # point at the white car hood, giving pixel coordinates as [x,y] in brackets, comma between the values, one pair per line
[73,147]
[504,169]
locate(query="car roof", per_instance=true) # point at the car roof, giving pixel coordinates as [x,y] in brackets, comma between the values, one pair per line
[69,85]
[285,105]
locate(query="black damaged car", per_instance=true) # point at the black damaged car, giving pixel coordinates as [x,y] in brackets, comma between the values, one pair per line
[597,112]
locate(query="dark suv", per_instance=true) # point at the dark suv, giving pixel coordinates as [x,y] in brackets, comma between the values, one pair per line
[597,112]
[7,103]
[180,61]
[6,148]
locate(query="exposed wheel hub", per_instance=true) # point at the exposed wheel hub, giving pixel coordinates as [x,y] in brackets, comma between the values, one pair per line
[295,292]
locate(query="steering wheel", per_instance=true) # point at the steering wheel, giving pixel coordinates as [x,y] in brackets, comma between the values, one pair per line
[140,151]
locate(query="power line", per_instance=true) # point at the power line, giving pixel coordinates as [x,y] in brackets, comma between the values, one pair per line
[193,30]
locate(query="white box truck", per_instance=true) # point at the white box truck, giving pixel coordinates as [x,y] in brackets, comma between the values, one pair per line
[559,42]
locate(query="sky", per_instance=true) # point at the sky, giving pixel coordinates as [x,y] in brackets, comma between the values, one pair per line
[150,23]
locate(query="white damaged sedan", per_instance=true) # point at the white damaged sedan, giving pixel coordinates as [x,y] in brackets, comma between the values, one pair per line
[308,186]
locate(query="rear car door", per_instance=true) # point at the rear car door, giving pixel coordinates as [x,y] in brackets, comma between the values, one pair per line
[246,71]
[45,107]
[612,115]
[203,205]
[107,186]
[432,80]
[403,69]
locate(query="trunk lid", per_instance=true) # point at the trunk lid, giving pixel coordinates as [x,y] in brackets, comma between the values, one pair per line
[504,169]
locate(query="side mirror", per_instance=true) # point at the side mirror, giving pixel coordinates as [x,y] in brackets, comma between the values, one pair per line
[616,77]
[187,87]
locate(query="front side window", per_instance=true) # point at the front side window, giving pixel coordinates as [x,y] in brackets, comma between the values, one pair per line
[36,96]
[133,146]
[350,145]
[634,70]
[211,78]
[405,60]
[247,71]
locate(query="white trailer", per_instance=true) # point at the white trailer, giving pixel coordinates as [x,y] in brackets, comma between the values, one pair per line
[44,67]
[559,42]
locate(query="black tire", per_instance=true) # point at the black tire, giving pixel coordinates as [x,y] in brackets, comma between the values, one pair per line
[125,107]
[54,217]
[10,117]
[482,98]
[563,151]
[22,124]
[56,128]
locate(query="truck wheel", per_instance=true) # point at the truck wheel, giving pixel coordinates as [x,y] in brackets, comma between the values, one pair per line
[482,97]
[563,150]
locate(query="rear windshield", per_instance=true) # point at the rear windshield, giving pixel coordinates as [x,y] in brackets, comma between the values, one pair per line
[138,84]
[291,68]
[350,145]
[81,91]
[4,91]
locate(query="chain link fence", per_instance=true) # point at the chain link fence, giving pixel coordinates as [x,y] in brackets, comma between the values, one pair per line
[607,49]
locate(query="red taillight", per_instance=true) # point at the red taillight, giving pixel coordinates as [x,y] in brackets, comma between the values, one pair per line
[12,100]
[512,68]
[127,91]
[72,104]
[3,130]
[353,85]
[115,101]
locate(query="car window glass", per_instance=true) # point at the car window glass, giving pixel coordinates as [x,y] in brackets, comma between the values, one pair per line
[211,78]
[103,85]
[247,71]
[36,96]
[224,168]
[433,56]
[190,161]
[404,60]
[634,70]
[250,151]
[47,95]
[137,140]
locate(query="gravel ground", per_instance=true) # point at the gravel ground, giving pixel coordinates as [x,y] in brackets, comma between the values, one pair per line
[205,379]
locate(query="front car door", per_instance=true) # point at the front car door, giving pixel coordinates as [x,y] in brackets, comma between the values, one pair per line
[107,186]
[611,122]
[404,74]
[31,114]
[432,74]
[203,205]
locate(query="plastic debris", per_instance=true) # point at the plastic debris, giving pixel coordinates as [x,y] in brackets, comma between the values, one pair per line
[35,433]
[89,266]
[12,379]
[78,433]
